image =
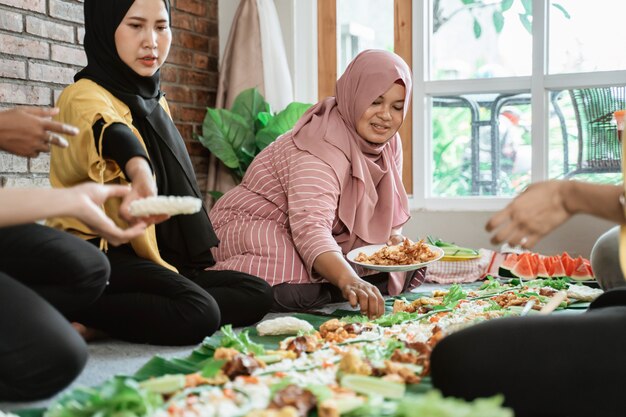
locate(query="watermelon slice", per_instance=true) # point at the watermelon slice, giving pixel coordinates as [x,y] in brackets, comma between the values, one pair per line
[581,271]
[568,263]
[530,265]
[524,268]
[505,267]
[556,267]
[542,271]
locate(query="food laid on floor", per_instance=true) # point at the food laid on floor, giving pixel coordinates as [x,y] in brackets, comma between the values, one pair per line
[343,364]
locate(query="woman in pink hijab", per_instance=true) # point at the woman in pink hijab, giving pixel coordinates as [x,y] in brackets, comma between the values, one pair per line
[330,185]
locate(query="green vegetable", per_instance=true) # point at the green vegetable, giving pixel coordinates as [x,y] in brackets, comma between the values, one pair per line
[321,392]
[433,404]
[240,342]
[373,386]
[165,384]
[490,284]
[115,398]
[454,295]
[212,367]
[451,249]
[376,353]
[268,359]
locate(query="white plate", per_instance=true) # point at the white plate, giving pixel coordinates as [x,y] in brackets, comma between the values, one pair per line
[371,249]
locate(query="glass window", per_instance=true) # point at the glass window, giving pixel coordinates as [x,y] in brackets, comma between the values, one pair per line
[481,144]
[480,39]
[586,36]
[362,24]
[583,134]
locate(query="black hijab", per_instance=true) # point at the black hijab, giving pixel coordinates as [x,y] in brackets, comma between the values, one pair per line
[184,241]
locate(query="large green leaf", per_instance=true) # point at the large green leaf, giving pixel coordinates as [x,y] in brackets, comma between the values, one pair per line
[227,135]
[248,104]
[280,123]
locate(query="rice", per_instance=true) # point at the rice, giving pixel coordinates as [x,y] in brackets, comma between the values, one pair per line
[162,204]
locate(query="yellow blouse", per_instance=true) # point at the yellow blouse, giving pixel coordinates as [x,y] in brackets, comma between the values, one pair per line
[82,104]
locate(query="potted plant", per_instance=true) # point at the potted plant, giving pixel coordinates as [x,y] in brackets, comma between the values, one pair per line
[236,135]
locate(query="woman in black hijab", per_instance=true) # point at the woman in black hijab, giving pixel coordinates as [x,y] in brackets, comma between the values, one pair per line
[159,290]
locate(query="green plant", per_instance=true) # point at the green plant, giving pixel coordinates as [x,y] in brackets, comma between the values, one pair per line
[498,8]
[236,135]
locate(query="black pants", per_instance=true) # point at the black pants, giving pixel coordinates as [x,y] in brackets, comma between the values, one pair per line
[45,275]
[305,297]
[545,366]
[147,303]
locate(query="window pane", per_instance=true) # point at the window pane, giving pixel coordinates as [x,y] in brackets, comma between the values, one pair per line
[359,28]
[480,39]
[471,161]
[583,134]
[586,36]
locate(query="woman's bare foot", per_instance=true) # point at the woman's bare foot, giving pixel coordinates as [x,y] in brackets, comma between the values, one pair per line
[87,333]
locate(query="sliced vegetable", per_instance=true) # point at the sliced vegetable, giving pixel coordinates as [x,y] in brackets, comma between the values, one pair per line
[373,386]
[166,384]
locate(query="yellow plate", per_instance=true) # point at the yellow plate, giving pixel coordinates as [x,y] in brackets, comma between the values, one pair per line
[459,258]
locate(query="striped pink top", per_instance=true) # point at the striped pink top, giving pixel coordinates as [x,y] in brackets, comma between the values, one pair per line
[281,217]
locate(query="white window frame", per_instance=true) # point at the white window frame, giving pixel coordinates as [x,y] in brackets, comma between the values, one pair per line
[539,83]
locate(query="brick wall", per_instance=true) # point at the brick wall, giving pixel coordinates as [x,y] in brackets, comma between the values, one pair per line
[41,50]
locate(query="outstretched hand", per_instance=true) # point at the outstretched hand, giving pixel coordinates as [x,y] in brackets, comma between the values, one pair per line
[533,214]
[365,295]
[28,131]
[90,197]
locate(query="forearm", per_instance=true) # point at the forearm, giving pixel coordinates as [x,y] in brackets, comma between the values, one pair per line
[139,171]
[594,199]
[334,268]
[27,205]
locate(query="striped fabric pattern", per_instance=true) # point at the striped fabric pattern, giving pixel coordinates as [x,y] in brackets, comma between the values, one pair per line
[451,272]
[280,218]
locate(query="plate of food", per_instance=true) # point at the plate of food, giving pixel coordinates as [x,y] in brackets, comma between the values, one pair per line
[406,256]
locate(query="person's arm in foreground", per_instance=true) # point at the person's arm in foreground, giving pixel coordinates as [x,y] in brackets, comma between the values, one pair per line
[544,206]
[333,267]
[25,205]
[27,131]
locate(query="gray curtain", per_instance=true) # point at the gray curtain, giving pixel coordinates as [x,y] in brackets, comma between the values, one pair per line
[241,68]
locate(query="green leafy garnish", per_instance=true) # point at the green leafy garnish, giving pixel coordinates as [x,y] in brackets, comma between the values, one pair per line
[116,397]
[240,342]
[454,295]
[212,367]
[434,404]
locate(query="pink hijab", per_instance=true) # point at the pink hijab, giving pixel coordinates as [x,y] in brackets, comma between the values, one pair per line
[373,199]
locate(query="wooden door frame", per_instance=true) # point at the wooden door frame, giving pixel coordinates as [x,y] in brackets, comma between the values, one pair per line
[327,64]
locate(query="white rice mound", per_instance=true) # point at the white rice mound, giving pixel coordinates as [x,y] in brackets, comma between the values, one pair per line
[162,204]
[283,326]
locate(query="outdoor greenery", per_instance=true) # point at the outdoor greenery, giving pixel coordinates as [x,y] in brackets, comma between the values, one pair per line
[236,135]
[499,8]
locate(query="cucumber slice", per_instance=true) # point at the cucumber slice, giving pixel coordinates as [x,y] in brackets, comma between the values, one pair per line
[347,404]
[165,384]
[268,359]
[369,385]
